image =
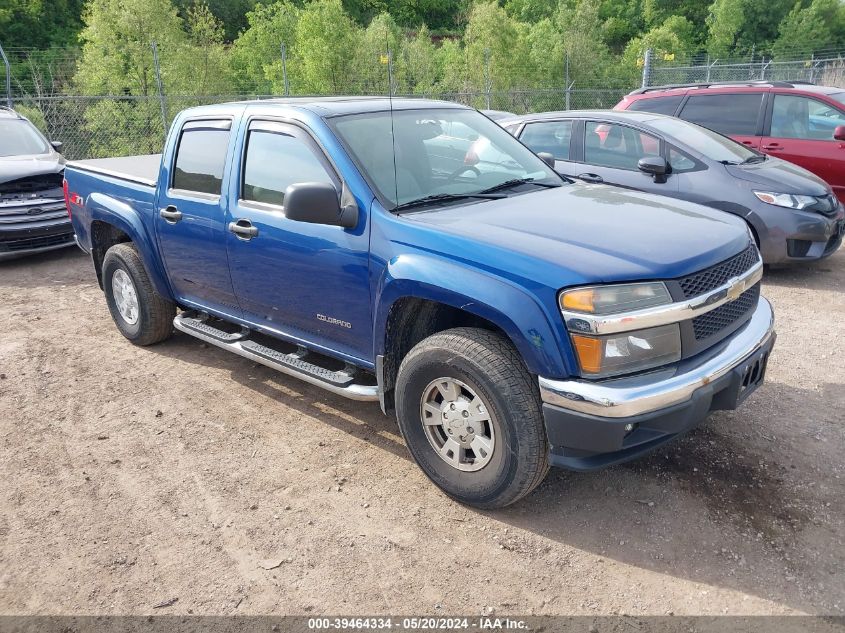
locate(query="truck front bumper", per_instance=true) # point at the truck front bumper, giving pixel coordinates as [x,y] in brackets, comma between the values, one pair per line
[593,424]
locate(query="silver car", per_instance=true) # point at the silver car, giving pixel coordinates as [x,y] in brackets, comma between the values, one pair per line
[33,216]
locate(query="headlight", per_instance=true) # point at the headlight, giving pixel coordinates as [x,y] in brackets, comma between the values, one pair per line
[627,352]
[789,200]
[613,299]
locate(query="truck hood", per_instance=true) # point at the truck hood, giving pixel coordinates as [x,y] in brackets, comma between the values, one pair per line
[780,176]
[596,232]
[17,167]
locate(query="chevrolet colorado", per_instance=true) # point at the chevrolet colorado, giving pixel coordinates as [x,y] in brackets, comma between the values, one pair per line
[512,319]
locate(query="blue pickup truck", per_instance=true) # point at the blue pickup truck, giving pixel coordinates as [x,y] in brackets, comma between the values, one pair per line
[412,252]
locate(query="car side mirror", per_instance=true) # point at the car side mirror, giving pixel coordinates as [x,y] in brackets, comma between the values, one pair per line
[547,158]
[839,133]
[57,145]
[655,166]
[317,203]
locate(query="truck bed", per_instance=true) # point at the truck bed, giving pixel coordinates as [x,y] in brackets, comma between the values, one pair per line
[141,169]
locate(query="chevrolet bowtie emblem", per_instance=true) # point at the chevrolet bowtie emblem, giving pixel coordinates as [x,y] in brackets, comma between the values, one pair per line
[736,288]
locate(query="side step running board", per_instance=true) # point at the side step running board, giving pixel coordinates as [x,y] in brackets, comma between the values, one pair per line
[339,382]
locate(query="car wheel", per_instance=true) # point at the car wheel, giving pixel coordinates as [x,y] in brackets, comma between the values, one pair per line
[141,314]
[471,417]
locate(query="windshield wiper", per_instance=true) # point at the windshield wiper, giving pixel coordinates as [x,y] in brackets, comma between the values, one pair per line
[517,181]
[446,197]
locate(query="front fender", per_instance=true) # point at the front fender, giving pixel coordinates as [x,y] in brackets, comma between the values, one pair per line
[497,300]
[123,216]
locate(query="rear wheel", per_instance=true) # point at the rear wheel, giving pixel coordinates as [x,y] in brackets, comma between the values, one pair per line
[140,313]
[471,417]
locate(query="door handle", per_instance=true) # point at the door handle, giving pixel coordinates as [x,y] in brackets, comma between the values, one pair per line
[748,142]
[773,146]
[243,229]
[590,177]
[171,214]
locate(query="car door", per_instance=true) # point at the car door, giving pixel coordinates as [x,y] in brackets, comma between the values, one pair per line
[739,115]
[611,153]
[552,137]
[308,282]
[800,130]
[190,219]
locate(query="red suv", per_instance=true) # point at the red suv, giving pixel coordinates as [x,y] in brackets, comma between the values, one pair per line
[799,122]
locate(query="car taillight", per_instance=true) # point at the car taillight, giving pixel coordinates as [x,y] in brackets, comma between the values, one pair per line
[67,197]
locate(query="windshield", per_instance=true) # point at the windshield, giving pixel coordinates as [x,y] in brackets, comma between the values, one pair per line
[710,144]
[19,138]
[447,153]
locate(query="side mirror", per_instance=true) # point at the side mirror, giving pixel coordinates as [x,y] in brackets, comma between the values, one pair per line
[547,158]
[317,203]
[656,166]
[57,145]
[839,133]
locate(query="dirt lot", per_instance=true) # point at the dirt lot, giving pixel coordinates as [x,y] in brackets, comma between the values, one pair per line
[133,477]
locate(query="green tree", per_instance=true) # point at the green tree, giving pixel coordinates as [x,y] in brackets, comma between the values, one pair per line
[371,75]
[324,50]
[256,54]
[621,21]
[496,50]
[232,14]
[531,11]
[420,60]
[116,55]
[738,27]
[203,61]
[589,57]
[39,23]
[805,30]
[676,37]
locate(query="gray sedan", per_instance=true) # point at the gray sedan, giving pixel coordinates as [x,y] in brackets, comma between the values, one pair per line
[793,214]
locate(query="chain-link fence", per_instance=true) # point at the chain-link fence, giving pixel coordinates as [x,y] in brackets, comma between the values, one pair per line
[45,88]
[62,93]
[824,68]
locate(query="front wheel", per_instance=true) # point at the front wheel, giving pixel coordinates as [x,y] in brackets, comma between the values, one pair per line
[140,313]
[471,417]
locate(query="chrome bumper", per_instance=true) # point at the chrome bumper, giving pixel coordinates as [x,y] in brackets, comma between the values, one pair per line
[627,397]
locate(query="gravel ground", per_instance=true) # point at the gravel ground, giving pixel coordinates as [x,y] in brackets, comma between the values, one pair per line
[181,475]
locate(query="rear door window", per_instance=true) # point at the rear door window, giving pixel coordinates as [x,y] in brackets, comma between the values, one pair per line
[201,156]
[803,118]
[725,113]
[553,137]
[657,105]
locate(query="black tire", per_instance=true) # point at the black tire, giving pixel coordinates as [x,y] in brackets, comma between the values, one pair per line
[490,365]
[155,313]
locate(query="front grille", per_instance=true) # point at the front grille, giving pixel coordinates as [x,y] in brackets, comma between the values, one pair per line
[826,205]
[726,315]
[717,275]
[27,243]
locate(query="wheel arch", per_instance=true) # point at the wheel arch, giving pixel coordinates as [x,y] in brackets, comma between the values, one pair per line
[413,307]
[114,222]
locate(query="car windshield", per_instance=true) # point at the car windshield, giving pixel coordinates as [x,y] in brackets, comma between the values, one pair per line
[438,154]
[710,144]
[19,138]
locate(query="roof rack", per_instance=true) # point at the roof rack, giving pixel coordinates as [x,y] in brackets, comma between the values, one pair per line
[773,84]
